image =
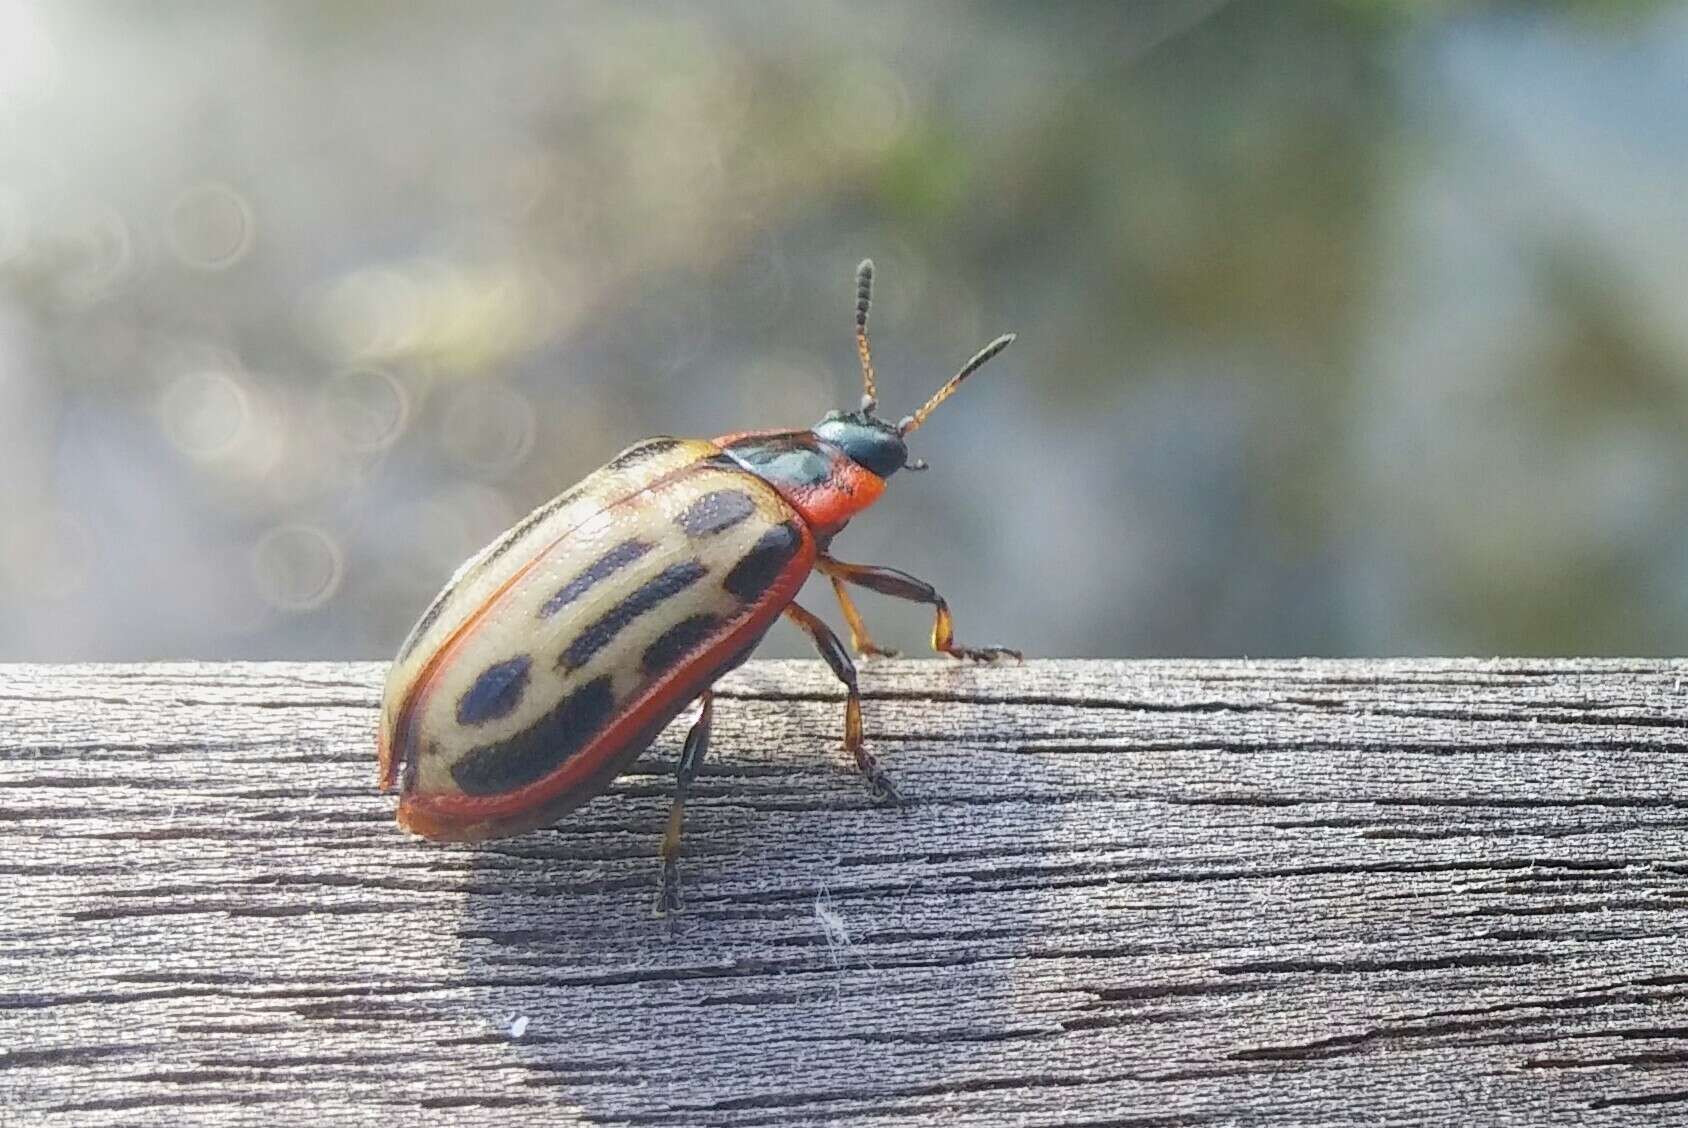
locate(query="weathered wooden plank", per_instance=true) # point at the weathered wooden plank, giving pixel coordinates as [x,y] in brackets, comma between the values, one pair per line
[1126,893]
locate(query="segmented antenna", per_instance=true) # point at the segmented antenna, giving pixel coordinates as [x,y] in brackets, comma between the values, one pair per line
[864,298]
[912,423]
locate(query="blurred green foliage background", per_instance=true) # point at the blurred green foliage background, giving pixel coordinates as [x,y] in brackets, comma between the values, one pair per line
[1345,328]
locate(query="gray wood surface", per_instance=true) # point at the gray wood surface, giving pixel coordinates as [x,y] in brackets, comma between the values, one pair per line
[1135,893]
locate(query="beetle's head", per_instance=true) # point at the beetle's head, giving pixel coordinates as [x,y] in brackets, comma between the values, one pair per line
[870,441]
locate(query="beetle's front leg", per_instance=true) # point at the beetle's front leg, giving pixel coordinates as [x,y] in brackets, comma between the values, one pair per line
[691,756]
[836,657]
[901,585]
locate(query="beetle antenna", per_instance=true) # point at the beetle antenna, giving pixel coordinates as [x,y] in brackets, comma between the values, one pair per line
[912,423]
[864,298]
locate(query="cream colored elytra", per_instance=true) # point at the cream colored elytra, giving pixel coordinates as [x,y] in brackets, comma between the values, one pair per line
[561,628]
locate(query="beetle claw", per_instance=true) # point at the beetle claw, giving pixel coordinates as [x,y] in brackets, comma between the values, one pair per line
[869,650]
[984,653]
[883,790]
[668,902]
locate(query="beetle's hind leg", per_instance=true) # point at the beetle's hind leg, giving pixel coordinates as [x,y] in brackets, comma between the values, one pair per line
[691,756]
[901,585]
[839,659]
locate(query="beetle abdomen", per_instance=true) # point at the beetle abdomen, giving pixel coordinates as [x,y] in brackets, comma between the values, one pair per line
[567,645]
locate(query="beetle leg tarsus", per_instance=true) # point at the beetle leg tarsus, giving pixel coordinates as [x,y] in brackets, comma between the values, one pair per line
[879,784]
[901,585]
[839,659]
[691,757]
[943,641]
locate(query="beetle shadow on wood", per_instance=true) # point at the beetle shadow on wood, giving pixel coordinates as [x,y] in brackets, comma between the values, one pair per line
[808,948]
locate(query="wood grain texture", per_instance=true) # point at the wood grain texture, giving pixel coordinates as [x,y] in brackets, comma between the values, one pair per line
[1132,893]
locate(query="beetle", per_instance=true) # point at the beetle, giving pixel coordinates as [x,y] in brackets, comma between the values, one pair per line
[558,653]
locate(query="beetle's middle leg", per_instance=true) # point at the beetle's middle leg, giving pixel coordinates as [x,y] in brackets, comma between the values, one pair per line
[859,640]
[691,756]
[839,659]
[901,585]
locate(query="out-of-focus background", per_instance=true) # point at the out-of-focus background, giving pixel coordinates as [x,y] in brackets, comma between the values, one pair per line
[1345,327]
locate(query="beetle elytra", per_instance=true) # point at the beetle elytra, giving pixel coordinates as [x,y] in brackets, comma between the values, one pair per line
[558,653]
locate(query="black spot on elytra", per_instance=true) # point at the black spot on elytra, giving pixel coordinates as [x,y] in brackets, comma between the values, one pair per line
[715,512]
[642,452]
[496,692]
[759,567]
[676,642]
[540,749]
[665,585]
[606,565]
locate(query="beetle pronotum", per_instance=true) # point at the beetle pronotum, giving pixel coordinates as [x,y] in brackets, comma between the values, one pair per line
[560,651]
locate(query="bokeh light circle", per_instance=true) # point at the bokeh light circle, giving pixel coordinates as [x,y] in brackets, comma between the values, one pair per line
[205,414]
[99,252]
[375,311]
[677,330]
[872,108]
[211,227]
[488,427]
[365,409]
[297,567]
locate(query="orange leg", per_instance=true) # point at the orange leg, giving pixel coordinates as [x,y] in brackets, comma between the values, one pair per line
[697,743]
[836,657]
[859,640]
[901,585]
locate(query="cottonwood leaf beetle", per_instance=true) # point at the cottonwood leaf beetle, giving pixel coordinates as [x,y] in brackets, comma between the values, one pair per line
[562,649]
